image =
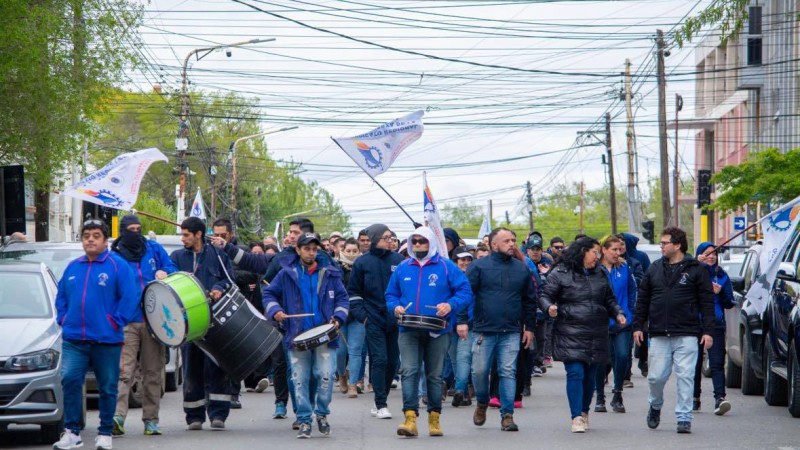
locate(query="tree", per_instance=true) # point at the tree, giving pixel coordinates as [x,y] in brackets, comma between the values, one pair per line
[59,60]
[729,16]
[463,217]
[767,176]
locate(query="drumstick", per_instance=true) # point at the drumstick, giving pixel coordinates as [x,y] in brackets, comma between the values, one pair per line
[408,306]
[292,316]
[431,307]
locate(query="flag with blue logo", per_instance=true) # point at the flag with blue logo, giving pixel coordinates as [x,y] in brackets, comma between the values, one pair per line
[198,210]
[486,225]
[778,227]
[376,150]
[117,184]
[432,220]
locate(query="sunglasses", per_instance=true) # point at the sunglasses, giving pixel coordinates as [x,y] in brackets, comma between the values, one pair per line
[93,222]
[558,247]
[419,241]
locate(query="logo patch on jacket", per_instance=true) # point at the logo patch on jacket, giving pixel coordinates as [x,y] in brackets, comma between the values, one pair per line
[432,279]
[684,278]
[153,263]
[331,294]
[394,267]
[102,278]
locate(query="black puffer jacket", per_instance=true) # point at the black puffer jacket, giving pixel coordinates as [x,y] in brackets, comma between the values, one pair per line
[585,302]
[367,285]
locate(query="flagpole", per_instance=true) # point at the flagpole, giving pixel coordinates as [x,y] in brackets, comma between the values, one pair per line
[413,222]
[153,216]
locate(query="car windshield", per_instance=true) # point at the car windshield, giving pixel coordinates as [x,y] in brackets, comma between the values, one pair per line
[55,259]
[23,295]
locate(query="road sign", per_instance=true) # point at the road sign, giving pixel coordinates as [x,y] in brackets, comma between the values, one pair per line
[738,223]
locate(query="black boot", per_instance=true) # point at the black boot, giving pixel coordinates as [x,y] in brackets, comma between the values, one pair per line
[616,402]
[600,404]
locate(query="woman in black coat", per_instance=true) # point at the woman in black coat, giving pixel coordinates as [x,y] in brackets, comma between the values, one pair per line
[579,297]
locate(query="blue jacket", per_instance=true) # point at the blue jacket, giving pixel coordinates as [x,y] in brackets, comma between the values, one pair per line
[286,294]
[96,299]
[538,282]
[427,283]
[724,300]
[623,283]
[155,258]
[632,252]
[206,266]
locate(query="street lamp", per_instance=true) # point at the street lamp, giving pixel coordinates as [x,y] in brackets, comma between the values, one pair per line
[182,140]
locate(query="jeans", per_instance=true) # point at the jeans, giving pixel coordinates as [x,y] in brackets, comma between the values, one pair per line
[502,347]
[384,357]
[206,388]
[319,363]
[664,352]
[449,372]
[619,349]
[716,361]
[463,362]
[355,333]
[418,347]
[580,386]
[104,359]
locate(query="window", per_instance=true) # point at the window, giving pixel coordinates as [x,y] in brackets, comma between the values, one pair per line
[23,295]
[754,40]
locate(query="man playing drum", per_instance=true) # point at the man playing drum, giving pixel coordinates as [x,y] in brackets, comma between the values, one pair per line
[307,294]
[213,268]
[423,287]
[149,261]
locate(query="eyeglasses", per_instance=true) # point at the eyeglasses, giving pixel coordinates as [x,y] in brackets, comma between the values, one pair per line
[93,222]
[664,243]
[389,239]
[419,241]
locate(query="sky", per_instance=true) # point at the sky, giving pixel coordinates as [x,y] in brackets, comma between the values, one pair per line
[505,85]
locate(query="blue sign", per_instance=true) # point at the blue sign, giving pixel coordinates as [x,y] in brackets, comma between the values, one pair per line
[738,223]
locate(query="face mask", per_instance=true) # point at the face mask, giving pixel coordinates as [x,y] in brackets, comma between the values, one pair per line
[421,255]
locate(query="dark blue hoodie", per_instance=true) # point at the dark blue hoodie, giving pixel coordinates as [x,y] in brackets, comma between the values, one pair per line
[638,260]
[724,300]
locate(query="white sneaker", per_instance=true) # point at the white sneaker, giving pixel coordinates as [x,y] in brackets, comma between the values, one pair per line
[373,411]
[262,385]
[68,440]
[102,442]
[384,413]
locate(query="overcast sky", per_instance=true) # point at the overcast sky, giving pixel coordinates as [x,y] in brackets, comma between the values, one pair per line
[498,80]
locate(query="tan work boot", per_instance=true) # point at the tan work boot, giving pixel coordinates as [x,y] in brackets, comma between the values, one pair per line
[479,416]
[434,427]
[409,427]
[352,391]
[578,425]
[343,382]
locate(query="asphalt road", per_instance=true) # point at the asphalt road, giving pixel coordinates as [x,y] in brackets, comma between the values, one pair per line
[543,421]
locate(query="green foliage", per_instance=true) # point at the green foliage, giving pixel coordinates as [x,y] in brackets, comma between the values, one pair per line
[729,16]
[146,202]
[767,176]
[463,217]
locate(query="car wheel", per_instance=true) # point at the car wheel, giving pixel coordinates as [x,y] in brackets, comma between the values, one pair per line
[751,384]
[733,374]
[794,381]
[51,432]
[774,386]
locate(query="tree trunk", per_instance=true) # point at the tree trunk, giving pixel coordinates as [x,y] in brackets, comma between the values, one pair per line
[41,218]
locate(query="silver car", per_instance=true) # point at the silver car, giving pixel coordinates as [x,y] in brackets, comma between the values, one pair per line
[30,349]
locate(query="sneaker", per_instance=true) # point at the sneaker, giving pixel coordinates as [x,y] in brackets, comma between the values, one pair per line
[119,426]
[585,421]
[600,406]
[479,416]
[151,428]
[236,403]
[296,425]
[518,404]
[526,391]
[262,385]
[373,411]
[627,384]
[323,425]
[548,361]
[494,402]
[305,431]
[653,418]
[102,442]
[467,401]
[280,411]
[722,406]
[217,424]
[68,440]
[383,413]
[458,399]
[369,388]
[507,423]
[616,403]
[394,384]
[352,391]
[537,372]
[195,426]
[360,387]
[696,405]
[684,427]
[578,425]
[343,386]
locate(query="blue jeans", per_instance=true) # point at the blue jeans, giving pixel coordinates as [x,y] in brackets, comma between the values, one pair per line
[666,352]
[104,359]
[580,386]
[619,349]
[356,335]
[418,347]
[463,362]
[319,363]
[716,362]
[504,347]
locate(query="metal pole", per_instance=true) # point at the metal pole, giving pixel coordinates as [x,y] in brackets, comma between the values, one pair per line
[662,128]
[612,187]
[676,175]
[633,200]
[582,206]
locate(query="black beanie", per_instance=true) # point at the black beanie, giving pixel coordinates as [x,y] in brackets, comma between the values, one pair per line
[375,232]
[127,221]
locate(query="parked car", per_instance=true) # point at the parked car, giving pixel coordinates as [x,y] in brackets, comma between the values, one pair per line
[781,325]
[30,350]
[652,251]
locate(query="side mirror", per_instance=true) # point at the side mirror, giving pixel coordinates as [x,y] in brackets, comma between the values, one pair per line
[738,284]
[786,271]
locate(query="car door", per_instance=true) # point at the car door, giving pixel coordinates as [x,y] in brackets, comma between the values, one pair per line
[786,291]
[732,315]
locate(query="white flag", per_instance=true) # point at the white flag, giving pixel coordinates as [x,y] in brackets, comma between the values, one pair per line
[432,220]
[198,210]
[486,226]
[376,150]
[778,227]
[116,185]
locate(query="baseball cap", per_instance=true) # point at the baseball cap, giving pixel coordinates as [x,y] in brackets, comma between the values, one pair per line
[307,239]
[534,241]
[462,252]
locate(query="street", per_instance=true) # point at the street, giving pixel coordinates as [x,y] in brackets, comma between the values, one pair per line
[543,423]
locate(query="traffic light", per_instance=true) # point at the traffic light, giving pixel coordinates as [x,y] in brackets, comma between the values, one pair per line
[703,188]
[649,232]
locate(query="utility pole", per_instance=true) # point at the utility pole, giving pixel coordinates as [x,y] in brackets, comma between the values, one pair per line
[676,175]
[529,197]
[491,212]
[611,185]
[662,127]
[508,218]
[633,199]
[582,206]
